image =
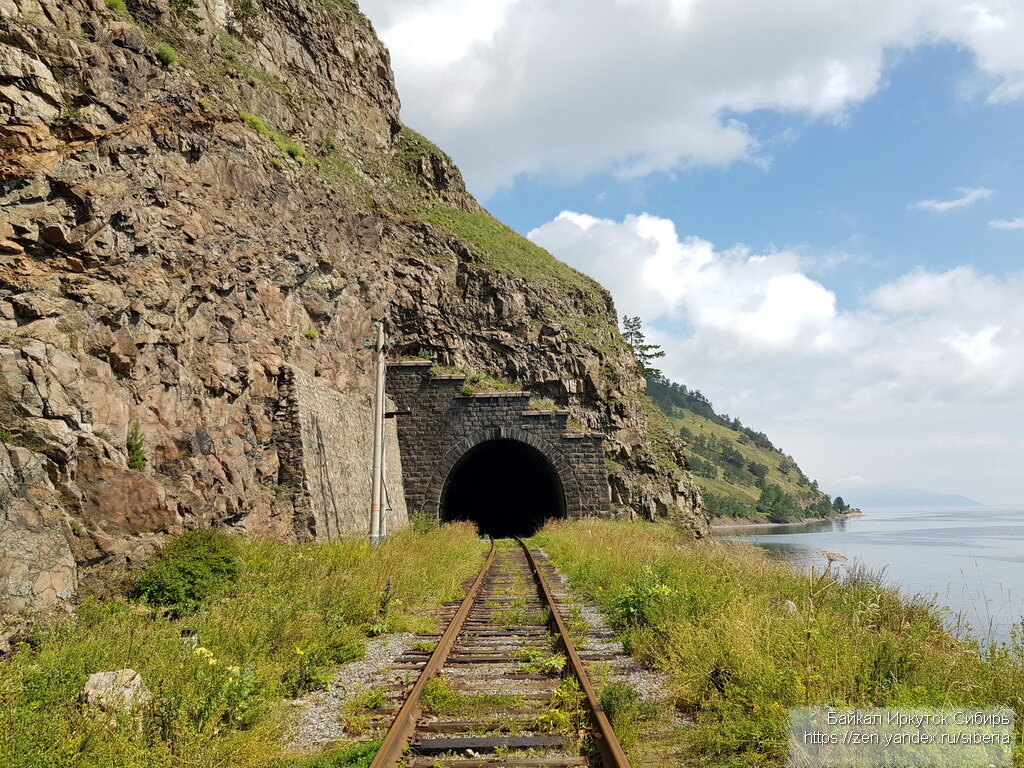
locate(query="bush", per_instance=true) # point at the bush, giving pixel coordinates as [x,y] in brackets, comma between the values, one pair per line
[194,567]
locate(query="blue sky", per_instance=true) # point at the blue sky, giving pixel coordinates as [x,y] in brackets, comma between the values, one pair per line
[816,206]
[840,187]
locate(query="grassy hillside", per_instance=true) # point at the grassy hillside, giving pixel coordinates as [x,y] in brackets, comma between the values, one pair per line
[742,638]
[739,471]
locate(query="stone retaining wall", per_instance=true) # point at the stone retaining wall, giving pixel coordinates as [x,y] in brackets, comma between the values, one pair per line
[326,449]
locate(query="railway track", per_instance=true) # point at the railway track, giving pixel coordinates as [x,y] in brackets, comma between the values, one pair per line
[504,686]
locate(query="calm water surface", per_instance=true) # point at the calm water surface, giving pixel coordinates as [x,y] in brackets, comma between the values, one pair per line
[969,559]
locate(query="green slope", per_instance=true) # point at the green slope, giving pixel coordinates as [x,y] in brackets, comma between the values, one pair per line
[740,472]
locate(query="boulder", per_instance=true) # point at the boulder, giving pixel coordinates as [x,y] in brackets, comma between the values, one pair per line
[119,691]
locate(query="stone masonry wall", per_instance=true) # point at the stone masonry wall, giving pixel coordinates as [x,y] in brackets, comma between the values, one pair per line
[443,424]
[326,447]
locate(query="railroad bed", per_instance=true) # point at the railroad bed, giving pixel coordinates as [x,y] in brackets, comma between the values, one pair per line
[504,686]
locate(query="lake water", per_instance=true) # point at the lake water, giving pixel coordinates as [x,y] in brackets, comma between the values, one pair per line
[969,559]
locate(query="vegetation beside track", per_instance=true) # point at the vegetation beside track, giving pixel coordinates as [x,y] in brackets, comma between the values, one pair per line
[742,637]
[272,619]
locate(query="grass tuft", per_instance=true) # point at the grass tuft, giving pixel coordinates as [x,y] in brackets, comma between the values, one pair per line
[284,143]
[166,55]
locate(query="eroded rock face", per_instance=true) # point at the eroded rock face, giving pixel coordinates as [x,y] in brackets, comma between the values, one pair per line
[165,251]
[37,569]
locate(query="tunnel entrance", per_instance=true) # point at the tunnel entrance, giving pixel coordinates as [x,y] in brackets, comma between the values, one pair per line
[506,487]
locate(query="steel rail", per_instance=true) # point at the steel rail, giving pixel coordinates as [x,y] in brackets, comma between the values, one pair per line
[404,725]
[607,743]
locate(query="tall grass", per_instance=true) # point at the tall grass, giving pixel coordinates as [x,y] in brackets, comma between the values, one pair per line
[293,611]
[714,617]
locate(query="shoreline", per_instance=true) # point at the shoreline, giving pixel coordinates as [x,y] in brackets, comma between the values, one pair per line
[720,523]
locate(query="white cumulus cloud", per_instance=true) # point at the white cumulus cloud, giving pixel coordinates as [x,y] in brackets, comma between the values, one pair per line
[1017,223]
[918,365]
[569,87]
[968,197]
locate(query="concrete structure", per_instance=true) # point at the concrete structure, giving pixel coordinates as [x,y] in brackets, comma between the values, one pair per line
[326,445]
[489,457]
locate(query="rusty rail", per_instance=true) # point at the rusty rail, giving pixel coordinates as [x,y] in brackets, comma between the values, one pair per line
[403,727]
[404,724]
[607,743]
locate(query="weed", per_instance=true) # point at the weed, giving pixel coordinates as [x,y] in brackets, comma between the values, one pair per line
[354,756]
[5,436]
[117,6]
[627,711]
[311,334]
[552,721]
[438,697]
[244,11]
[422,521]
[534,660]
[185,11]
[482,382]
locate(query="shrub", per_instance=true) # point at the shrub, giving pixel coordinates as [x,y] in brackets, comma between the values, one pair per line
[117,6]
[185,10]
[194,567]
[136,448]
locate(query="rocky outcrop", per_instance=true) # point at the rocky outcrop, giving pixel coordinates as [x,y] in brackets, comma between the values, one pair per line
[196,196]
[37,568]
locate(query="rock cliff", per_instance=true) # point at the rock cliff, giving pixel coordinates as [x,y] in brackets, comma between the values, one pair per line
[198,194]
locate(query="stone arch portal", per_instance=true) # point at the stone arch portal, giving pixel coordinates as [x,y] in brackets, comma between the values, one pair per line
[504,486]
[490,457]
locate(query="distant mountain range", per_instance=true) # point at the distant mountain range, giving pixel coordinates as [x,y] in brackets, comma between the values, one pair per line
[907,497]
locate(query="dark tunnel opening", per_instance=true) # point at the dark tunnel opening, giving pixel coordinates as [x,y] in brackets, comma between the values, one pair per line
[506,487]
